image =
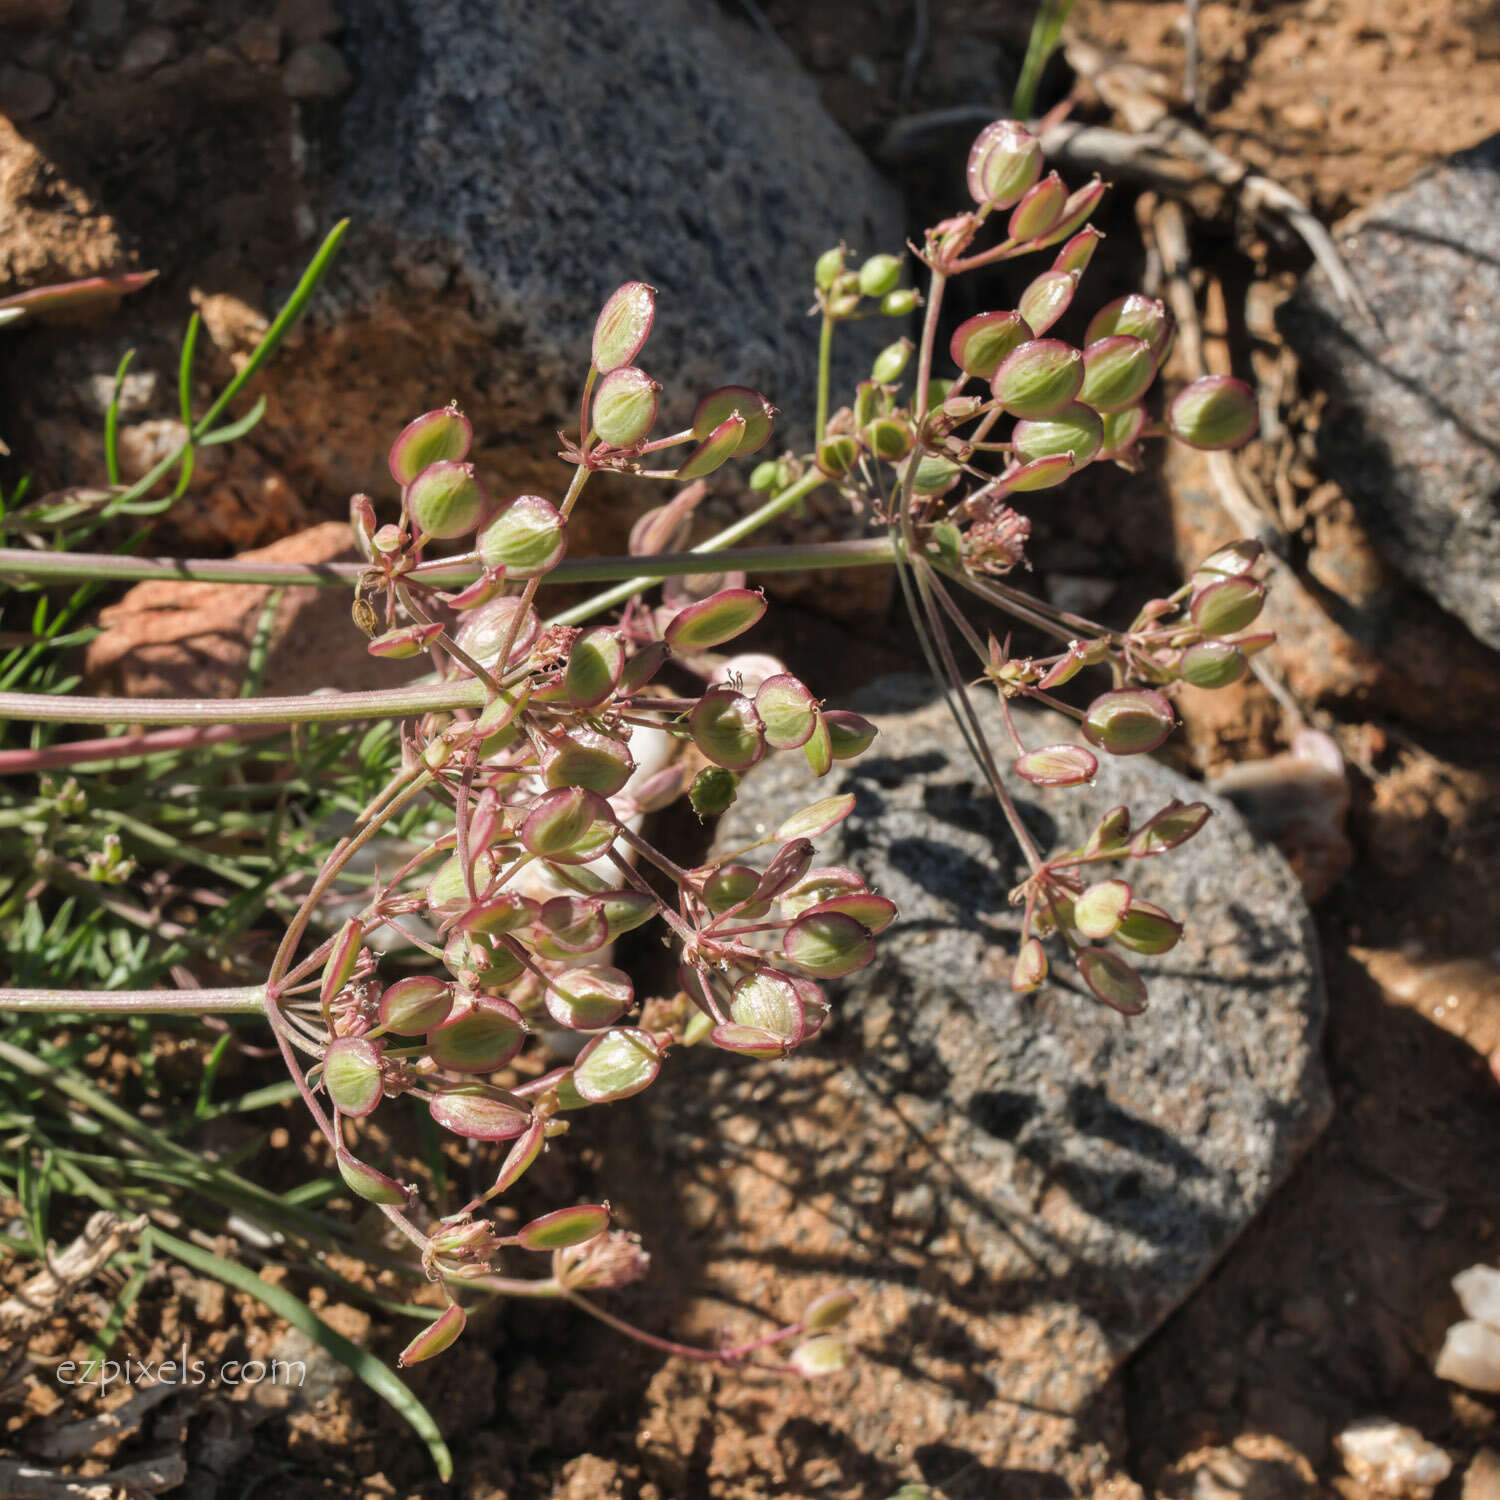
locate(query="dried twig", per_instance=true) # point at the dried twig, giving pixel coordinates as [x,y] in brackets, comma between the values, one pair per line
[25,1481]
[51,1287]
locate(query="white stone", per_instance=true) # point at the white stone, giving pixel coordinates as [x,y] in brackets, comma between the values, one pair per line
[1471,1356]
[1478,1291]
[1392,1459]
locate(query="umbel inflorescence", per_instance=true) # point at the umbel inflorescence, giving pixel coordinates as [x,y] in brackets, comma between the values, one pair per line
[543,744]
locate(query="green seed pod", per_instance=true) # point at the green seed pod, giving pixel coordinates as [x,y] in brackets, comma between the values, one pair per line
[1078,252]
[836,456]
[715,620]
[828,946]
[1030,967]
[891,362]
[879,275]
[1058,765]
[1217,411]
[569,826]
[1101,908]
[1230,605]
[1213,664]
[980,343]
[616,1065]
[849,734]
[595,665]
[764,477]
[828,267]
[1004,161]
[1075,213]
[413,1006]
[1046,299]
[597,762]
[1128,721]
[564,1227]
[463,1110]
[889,439]
[1116,373]
[788,710]
[1039,209]
[1112,981]
[589,999]
[479,1039]
[445,500]
[1038,378]
[352,1075]
[527,537]
[434,436]
[1137,317]
[1122,430]
[713,791]
[624,408]
[736,401]
[1147,929]
[726,728]
[623,325]
[1175,824]
[823,1354]
[716,449]
[1073,430]
[365,1182]
[901,303]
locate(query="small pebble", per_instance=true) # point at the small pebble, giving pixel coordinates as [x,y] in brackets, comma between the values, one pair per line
[316,70]
[1391,1459]
[259,40]
[148,50]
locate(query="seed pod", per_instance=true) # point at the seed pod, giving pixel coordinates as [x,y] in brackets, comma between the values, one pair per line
[1101,908]
[403,644]
[879,275]
[589,999]
[733,885]
[1040,474]
[769,1002]
[1075,213]
[1112,981]
[788,866]
[365,1182]
[1213,664]
[980,343]
[823,1354]
[1147,929]
[445,500]
[890,363]
[506,912]
[788,711]
[488,627]
[352,1075]
[1217,411]
[850,734]
[736,401]
[1116,372]
[712,621]
[726,728]
[935,474]
[413,1006]
[595,665]
[477,1116]
[429,439]
[1175,824]
[1122,430]
[1039,209]
[586,758]
[1046,300]
[570,826]
[829,1310]
[1128,721]
[818,751]
[484,1037]
[1030,967]
[570,925]
[1073,429]
[836,456]
[1004,161]
[623,325]
[527,537]
[616,1065]
[889,439]
[1038,378]
[1136,316]
[624,408]
[477,963]
[447,894]
[901,303]
[1229,561]
[818,886]
[828,946]
[816,819]
[564,1227]
[1110,832]
[716,449]
[1230,605]
[873,913]
[1078,252]
[1058,765]
[764,477]
[828,267]
[342,959]
[713,791]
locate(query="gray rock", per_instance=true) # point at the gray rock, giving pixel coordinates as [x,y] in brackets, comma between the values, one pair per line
[547,153]
[1414,434]
[1086,1170]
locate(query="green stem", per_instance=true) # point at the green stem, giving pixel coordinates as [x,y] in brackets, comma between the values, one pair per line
[724,539]
[70,567]
[310,708]
[825,370]
[249,1000]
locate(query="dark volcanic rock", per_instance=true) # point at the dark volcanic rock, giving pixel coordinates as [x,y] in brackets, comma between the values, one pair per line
[547,153]
[1021,1188]
[1414,433]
